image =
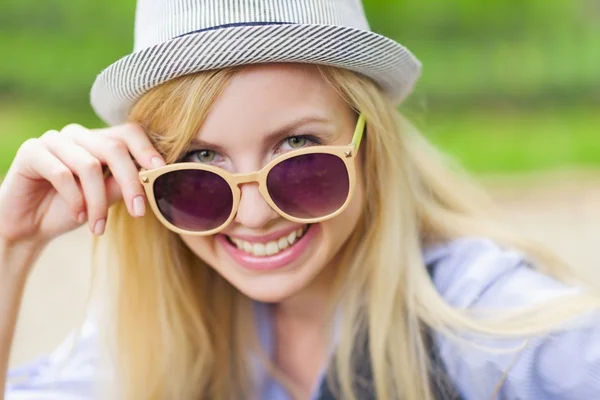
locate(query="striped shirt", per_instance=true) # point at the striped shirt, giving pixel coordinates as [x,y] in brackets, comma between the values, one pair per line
[469,273]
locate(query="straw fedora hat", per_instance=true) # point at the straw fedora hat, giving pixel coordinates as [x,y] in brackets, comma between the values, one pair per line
[179,37]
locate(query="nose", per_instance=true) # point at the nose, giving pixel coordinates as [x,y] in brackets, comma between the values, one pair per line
[253,211]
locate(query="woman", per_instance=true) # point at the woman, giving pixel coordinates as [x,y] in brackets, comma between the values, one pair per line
[304,241]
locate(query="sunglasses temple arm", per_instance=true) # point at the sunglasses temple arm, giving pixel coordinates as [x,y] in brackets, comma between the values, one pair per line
[358,132]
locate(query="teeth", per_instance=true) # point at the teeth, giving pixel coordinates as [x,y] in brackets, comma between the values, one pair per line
[283,243]
[292,237]
[271,248]
[258,249]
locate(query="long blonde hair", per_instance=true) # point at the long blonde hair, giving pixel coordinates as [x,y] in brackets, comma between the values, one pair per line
[178,330]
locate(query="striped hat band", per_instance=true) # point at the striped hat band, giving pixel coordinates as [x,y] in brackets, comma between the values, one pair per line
[178,37]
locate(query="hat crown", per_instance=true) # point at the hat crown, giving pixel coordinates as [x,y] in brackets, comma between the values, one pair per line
[158,21]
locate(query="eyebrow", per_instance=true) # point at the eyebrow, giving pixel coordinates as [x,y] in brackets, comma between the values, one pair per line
[276,135]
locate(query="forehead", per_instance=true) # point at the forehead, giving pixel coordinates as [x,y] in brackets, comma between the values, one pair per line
[262,98]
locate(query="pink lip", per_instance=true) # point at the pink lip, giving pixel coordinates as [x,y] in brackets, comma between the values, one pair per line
[267,238]
[276,261]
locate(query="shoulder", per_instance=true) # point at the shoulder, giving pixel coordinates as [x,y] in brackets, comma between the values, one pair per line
[68,372]
[475,271]
[478,273]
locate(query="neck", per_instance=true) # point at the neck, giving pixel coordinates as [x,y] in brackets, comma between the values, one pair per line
[310,306]
[301,326]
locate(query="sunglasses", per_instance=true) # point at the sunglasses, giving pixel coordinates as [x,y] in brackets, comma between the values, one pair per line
[307,185]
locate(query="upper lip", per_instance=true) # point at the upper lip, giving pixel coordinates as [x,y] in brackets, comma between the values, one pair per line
[268,237]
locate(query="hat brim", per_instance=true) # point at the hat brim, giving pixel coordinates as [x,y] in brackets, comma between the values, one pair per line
[393,67]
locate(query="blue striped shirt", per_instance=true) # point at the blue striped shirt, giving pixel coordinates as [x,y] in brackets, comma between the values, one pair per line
[469,273]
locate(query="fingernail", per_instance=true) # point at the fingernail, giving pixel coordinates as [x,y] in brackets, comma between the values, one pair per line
[81,217]
[99,227]
[157,162]
[139,206]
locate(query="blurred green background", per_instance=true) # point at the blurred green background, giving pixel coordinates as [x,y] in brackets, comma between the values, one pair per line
[508,85]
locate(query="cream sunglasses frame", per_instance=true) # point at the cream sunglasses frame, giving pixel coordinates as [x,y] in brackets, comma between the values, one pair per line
[346,153]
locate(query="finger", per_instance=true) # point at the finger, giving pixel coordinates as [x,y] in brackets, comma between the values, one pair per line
[116,155]
[89,170]
[113,191]
[138,143]
[45,165]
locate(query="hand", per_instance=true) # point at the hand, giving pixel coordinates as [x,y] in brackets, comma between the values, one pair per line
[56,182]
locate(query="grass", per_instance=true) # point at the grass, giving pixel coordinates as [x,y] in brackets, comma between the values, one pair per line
[486,141]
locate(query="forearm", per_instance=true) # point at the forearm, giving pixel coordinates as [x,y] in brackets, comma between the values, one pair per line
[15,263]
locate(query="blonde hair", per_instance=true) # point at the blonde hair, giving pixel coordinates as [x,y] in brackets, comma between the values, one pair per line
[178,330]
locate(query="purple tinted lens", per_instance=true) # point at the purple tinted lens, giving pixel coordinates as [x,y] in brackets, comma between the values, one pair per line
[309,186]
[193,200]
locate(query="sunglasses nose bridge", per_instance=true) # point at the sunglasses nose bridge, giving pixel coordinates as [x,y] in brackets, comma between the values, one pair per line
[241,179]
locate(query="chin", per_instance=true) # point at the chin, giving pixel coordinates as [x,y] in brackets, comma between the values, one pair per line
[275,286]
[269,294]
[268,279]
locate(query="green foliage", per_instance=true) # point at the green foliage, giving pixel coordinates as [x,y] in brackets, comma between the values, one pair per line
[481,58]
[20,121]
[56,47]
[512,141]
[484,141]
[474,52]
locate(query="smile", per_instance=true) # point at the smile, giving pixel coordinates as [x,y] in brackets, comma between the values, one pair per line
[277,252]
[272,247]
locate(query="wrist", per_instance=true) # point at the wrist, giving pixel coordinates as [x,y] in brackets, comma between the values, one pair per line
[17,258]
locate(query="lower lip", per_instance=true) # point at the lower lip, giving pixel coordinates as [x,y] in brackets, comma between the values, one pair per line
[268,263]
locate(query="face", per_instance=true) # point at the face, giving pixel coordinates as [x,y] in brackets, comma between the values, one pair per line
[262,254]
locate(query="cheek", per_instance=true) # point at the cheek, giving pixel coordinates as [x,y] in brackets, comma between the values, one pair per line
[357,204]
[278,285]
[203,247]
[341,227]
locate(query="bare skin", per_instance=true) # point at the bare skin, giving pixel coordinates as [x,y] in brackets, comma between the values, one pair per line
[301,348]
[54,185]
[301,291]
[14,260]
[42,198]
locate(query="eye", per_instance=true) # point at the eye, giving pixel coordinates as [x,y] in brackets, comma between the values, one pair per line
[296,142]
[203,156]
